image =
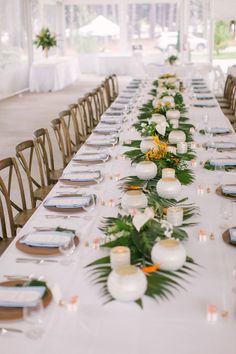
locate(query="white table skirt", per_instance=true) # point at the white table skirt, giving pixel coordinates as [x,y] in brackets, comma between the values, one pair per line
[53,74]
[176,326]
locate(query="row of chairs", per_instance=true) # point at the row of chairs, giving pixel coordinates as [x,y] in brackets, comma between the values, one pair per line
[227,102]
[37,158]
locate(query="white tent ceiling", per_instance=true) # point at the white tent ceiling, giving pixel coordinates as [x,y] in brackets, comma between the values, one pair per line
[224,10]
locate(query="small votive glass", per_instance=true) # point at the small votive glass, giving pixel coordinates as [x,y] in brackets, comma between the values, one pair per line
[168,173]
[175,215]
[119,257]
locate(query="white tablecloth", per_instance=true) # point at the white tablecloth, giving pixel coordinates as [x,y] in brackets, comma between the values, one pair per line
[53,74]
[126,64]
[176,326]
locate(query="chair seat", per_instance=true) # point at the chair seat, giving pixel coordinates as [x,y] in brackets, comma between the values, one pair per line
[231,118]
[227,111]
[55,175]
[21,218]
[224,105]
[4,243]
[42,192]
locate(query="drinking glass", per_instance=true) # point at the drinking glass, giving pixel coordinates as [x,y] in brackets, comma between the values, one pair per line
[67,249]
[33,316]
[226,212]
[219,169]
[89,207]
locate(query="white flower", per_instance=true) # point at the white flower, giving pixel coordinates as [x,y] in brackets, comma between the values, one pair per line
[143,125]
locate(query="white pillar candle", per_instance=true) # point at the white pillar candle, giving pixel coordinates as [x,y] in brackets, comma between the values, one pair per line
[175,216]
[168,172]
[175,123]
[119,257]
[171,149]
[182,147]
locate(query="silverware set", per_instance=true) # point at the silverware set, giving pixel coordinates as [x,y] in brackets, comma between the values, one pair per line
[52,216]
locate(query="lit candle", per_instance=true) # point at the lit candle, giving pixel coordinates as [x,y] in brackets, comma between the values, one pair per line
[200,190]
[171,149]
[119,257]
[175,216]
[211,312]
[193,163]
[182,147]
[202,237]
[168,172]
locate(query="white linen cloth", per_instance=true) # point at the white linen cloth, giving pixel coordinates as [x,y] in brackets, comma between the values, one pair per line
[177,326]
[53,74]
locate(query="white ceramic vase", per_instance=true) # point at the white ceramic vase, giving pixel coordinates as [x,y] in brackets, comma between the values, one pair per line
[176,136]
[134,200]
[169,253]
[168,187]
[146,170]
[127,283]
[147,144]
[172,114]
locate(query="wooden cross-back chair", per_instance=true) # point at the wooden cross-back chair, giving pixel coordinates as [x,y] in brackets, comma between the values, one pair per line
[13,208]
[30,159]
[85,116]
[78,123]
[63,140]
[43,140]
[71,127]
[115,86]
[103,99]
[93,107]
[108,90]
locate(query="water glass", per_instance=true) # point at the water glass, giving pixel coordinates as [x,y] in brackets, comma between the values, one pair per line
[219,169]
[67,249]
[33,316]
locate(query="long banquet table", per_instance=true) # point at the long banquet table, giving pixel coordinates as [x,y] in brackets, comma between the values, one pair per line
[178,325]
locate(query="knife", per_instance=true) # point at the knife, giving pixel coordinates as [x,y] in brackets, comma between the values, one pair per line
[7,329]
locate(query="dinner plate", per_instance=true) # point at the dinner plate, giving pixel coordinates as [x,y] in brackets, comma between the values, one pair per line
[65,203]
[101,142]
[228,196]
[91,158]
[226,238]
[41,251]
[82,178]
[16,313]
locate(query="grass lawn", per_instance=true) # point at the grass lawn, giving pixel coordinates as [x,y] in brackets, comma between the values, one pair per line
[225,55]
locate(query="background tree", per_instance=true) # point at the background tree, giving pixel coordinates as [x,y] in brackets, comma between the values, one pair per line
[222,35]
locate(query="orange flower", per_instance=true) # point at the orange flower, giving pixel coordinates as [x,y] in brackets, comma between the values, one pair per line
[134,187]
[151,269]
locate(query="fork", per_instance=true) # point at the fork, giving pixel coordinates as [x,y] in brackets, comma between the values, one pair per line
[35,260]
[4,330]
[48,216]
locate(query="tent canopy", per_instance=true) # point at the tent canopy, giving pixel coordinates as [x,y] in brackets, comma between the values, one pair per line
[100,27]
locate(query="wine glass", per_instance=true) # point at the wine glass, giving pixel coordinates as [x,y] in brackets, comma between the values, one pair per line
[219,169]
[33,315]
[67,249]
[89,207]
[226,210]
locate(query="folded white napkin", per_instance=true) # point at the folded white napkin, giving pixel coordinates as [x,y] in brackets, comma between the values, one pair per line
[47,238]
[91,157]
[67,202]
[81,176]
[106,130]
[232,233]
[102,142]
[12,296]
[216,130]
[224,145]
[228,189]
[223,162]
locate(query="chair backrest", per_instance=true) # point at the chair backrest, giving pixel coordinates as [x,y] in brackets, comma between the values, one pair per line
[103,97]
[84,115]
[63,139]
[78,123]
[43,140]
[115,86]
[71,128]
[108,88]
[30,159]
[11,201]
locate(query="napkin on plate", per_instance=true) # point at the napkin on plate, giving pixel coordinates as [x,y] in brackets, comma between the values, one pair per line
[224,145]
[67,202]
[81,176]
[117,106]
[201,105]
[232,234]
[219,130]
[91,157]
[101,142]
[106,130]
[14,296]
[229,189]
[113,113]
[223,162]
[47,238]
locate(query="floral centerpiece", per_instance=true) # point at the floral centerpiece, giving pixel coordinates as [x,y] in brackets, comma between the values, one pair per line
[46,40]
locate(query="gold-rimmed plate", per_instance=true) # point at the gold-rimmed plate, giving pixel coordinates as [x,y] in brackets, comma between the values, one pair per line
[226,238]
[16,313]
[221,194]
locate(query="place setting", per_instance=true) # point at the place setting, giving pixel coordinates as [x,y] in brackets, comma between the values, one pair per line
[227,191]
[82,177]
[101,142]
[91,157]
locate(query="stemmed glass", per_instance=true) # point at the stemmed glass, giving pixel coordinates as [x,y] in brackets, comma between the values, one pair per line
[89,207]
[67,249]
[226,211]
[33,315]
[219,169]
